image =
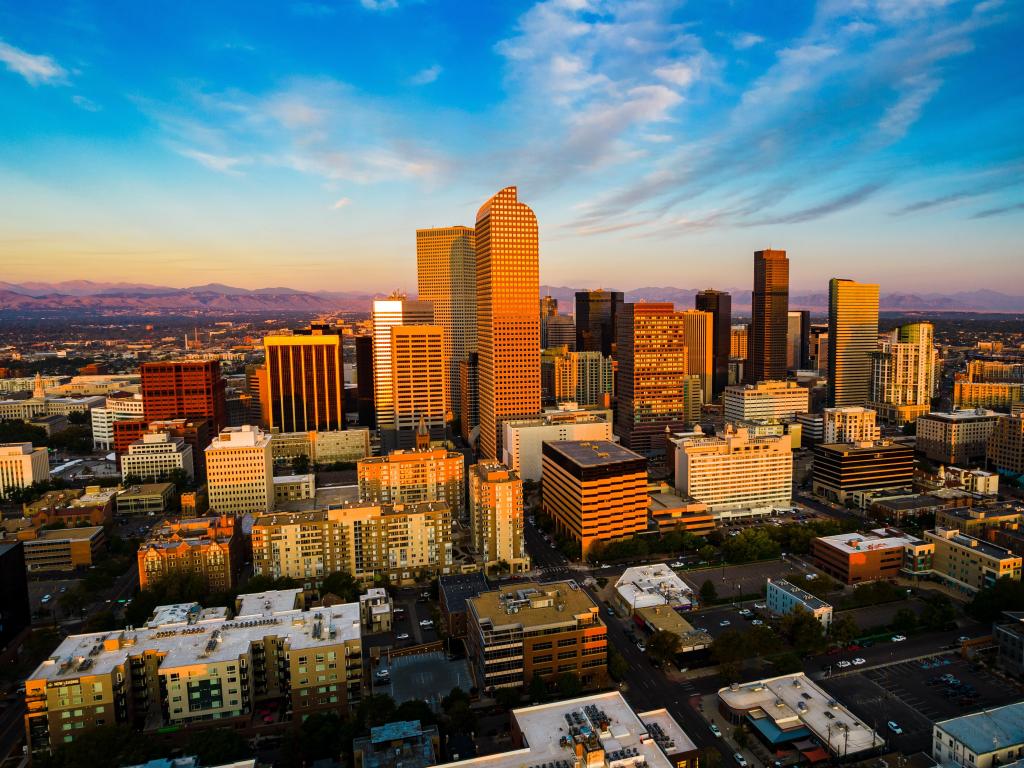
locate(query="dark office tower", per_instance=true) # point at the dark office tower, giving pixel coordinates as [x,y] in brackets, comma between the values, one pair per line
[770,308]
[798,338]
[548,306]
[305,384]
[15,613]
[469,380]
[719,304]
[185,389]
[364,382]
[596,315]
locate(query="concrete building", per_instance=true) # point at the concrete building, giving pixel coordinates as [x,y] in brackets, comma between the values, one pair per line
[405,542]
[699,336]
[884,553]
[812,427]
[524,438]
[904,374]
[647,586]
[41,406]
[844,472]
[348,445]
[376,610]
[1006,445]
[781,400]
[798,334]
[117,407]
[978,520]
[240,472]
[508,325]
[302,383]
[558,331]
[419,386]
[288,488]
[955,437]
[969,563]
[195,433]
[997,395]
[734,473]
[769,317]
[453,592]
[1008,634]
[496,517]
[581,377]
[144,499]
[849,424]
[987,739]
[210,547]
[719,304]
[976,481]
[782,598]
[394,312]
[156,456]
[594,490]
[189,666]
[92,505]
[410,477]
[853,337]
[21,465]
[63,549]
[526,630]
[670,511]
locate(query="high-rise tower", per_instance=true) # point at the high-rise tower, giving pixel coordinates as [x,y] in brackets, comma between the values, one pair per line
[699,345]
[596,315]
[388,314]
[719,304]
[769,308]
[508,323]
[904,373]
[852,338]
[305,389]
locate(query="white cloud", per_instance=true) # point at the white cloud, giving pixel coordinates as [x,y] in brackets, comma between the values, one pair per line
[220,163]
[84,103]
[426,76]
[37,69]
[916,92]
[379,5]
[745,40]
[680,74]
[341,203]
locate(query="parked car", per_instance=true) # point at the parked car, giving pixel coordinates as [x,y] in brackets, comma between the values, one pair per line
[677,564]
[402,636]
[858,661]
[724,623]
[843,664]
[47,598]
[745,612]
[641,646]
[716,731]
[894,727]
[427,623]
[898,638]
[757,622]
[741,761]
[760,606]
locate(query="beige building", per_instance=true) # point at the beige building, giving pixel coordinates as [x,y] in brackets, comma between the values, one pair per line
[118,407]
[998,395]
[419,385]
[1006,445]
[21,465]
[348,445]
[853,337]
[956,437]
[410,477]
[508,323]
[781,400]
[524,438]
[188,666]
[849,424]
[63,549]
[699,338]
[734,472]
[496,517]
[390,313]
[156,455]
[240,472]
[970,563]
[405,542]
[904,374]
[446,277]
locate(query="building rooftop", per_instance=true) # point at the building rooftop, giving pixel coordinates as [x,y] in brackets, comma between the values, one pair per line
[878,446]
[460,587]
[145,489]
[593,453]
[533,605]
[813,603]
[795,699]
[972,543]
[649,585]
[67,534]
[880,538]
[964,414]
[982,731]
[315,515]
[404,744]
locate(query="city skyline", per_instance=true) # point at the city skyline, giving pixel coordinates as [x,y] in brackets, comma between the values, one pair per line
[689,136]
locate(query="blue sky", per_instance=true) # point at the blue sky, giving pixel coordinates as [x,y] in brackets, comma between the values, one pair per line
[301,143]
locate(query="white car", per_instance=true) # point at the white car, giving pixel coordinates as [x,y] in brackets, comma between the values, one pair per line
[426,623]
[605,566]
[382,674]
[47,598]
[843,664]
[898,638]
[757,622]
[741,761]
[677,564]
[402,636]
[894,727]
[858,661]
[724,623]
[716,731]
[760,606]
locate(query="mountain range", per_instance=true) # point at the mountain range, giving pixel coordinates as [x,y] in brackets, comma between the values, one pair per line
[100,296]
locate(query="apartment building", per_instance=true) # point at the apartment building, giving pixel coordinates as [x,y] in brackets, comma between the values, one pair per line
[782,598]
[586,378]
[1006,445]
[63,549]
[735,471]
[496,517]
[118,407]
[851,424]
[413,476]
[594,490]
[970,563]
[240,472]
[524,438]
[21,465]
[92,505]
[955,437]
[997,395]
[156,455]
[987,739]
[845,472]
[523,630]
[405,542]
[210,547]
[189,665]
[904,373]
[883,553]
[781,400]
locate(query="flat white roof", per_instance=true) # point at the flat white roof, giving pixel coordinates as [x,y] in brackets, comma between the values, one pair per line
[649,585]
[867,542]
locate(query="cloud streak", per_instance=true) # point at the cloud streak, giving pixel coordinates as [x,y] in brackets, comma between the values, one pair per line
[37,69]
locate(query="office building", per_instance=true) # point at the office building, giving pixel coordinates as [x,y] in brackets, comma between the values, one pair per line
[853,558]
[144,499]
[735,472]
[782,598]
[956,437]
[446,277]
[766,360]
[594,490]
[719,304]
[156,456]
[405,542]
[496,517]
[845,472]
[818,348]
[670,511]
[968,563]
[291,488]
[15,611]
[70,508]
[117,407]
[453,592]
[1006,445]
[348,446]
[63,549]
[558,331]
[699,339]
[526,630]
[989,738]
[209,547]
[189,665]
[1008,634]
[850,424]
[586,378]
[781,400]
[739,342]
[904,374]
[305,383]
[240,472]
[404,744]
[367,412]
[508,328]
[653,389]
[798,335]
[548,306]
[184,389]
[597,314]
[21,465]
[524,438]
[395,311]
[853,337]
[419,386]
[413,476]
[469,386]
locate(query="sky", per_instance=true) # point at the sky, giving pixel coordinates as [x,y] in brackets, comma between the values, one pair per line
[301,143]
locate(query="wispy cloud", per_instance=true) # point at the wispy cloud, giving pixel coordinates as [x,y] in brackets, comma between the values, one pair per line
[1002,210]
[220,163]
[379,5]
[426,76]
[745,40]
[343,202]
[838,203]
[37,69]
[85,103]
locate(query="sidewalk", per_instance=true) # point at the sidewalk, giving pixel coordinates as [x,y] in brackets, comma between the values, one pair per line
[709,711]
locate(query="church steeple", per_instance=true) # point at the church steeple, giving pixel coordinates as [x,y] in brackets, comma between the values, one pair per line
[422,435]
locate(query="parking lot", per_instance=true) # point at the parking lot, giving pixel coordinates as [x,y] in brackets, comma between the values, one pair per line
[737,579]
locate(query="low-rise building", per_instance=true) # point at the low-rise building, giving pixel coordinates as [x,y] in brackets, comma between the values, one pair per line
[976,481]
[955,437]
[670,511]
[842,471]
[453,592]
[884,553]
[92,505]
[327,447]
[782,598]
[376,610]
[63,549]
[188,666]
[975,520]
[145,499]
[117,407]
[986,739]
[405,744]
[523,438]
[524,630]
[649,585]
[21,465]
[210,547]
[970,563]
[51,424]
[781,400]
[293,488]
[1008,634]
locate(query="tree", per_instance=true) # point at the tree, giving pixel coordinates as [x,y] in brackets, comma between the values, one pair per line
[708,593]
[569,685]
[342,584]
[844,630]
[663,645]
[105,745]
[217,747]
[322,735]
[375,710]
[415,709]
[707,553]
[939,612]
[905,620]
[803,631]
[300,464]
[618,667]
[538,690]
[508,698]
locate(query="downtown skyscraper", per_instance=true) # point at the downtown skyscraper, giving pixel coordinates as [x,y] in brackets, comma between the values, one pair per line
[769,309]
[719,304]
[596,315]
[302,387]
[508,323]
[852,338]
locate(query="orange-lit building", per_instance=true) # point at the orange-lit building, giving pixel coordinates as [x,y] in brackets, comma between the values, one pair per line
[409,477]
[672,512]
[769,302]
[496,516]
[508,323]
[594,490]
[302,386]
[208,546]
[190,389]
[92,506]
[853,558]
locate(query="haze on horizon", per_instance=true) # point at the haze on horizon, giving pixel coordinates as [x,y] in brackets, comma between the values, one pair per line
[659,143]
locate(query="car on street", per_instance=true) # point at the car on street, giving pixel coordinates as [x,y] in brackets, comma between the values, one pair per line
[724,623]
[604,566]
[45,599]
[858,661]
[641,646]
[963,639]
[760,606]
[898,638]
[894,727]
[402,636]
[426,623]
[745,613]
[757,622]
[741,761]
[843,664]
[716,731]
[677,564]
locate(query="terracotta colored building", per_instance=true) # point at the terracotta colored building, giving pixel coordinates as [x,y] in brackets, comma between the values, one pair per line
[191,389]
[853,558]
[209,546]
